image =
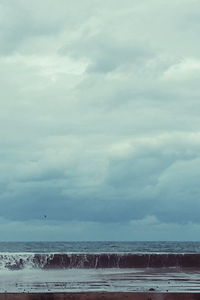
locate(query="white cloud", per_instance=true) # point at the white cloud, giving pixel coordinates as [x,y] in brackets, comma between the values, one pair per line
[188,69]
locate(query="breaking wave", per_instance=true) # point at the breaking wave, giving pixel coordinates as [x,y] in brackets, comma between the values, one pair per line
[17,261]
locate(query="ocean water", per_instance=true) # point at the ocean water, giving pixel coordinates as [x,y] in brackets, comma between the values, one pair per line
[99,266]
[95,255]
[100,247]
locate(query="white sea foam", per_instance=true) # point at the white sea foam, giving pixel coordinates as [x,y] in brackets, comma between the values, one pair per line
[77,280]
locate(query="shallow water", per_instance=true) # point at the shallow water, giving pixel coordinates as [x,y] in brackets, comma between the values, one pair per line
[110,280]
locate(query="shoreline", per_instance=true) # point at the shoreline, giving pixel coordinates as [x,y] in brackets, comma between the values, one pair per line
[102,296]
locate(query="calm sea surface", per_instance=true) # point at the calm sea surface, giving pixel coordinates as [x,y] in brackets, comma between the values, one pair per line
[98,247]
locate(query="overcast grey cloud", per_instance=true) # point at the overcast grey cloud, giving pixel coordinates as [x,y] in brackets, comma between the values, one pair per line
[99,120]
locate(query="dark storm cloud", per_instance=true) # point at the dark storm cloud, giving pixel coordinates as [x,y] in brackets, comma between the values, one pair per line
[133,183]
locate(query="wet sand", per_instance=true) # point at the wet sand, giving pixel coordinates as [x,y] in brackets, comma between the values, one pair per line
[100,296]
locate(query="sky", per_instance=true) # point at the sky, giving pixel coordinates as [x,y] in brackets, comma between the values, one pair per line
[99,120]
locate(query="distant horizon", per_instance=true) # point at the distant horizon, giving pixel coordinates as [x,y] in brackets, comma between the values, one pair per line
[102,241]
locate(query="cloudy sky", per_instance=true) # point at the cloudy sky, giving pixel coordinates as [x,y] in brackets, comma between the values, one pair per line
[99,118]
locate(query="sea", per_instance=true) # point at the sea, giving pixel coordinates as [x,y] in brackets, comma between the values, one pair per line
[99,266]
[100,247]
